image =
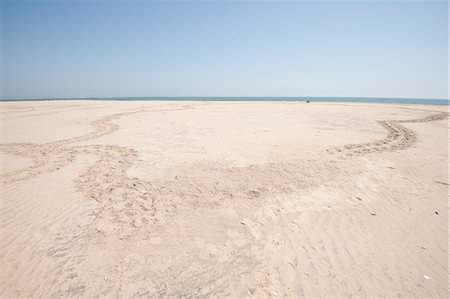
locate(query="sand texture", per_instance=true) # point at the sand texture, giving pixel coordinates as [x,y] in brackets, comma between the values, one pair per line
[219,199]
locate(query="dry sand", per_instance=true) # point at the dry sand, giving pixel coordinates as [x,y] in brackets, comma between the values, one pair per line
[198,199]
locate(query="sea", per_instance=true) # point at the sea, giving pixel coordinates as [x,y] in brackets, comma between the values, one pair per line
[256,99]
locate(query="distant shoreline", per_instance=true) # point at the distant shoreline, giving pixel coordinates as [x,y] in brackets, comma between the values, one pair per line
[255,99]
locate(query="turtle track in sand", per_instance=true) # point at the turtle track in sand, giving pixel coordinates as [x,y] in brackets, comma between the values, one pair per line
[126,203]
[399,137]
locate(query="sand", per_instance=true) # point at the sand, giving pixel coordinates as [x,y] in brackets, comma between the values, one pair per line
[220,199]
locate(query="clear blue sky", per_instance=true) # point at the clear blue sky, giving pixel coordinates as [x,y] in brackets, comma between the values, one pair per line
[108,48]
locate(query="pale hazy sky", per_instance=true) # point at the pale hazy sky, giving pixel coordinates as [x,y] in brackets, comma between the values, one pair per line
[112,48]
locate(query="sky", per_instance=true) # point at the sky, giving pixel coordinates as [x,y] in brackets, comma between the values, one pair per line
[54,49]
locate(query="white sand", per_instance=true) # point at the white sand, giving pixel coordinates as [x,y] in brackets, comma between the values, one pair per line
[157,199]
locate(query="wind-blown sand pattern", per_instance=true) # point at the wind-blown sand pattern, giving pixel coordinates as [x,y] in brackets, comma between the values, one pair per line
[208,199]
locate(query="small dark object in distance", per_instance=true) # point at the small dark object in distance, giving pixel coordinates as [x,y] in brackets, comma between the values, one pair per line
[307,101]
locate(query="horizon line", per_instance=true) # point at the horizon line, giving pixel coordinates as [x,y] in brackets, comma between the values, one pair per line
[215,97]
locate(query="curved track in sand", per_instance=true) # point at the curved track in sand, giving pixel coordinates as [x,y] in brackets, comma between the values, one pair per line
[399,137]
[124,201]
[113,161]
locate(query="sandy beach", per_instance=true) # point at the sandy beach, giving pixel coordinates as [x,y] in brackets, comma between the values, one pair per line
[223,199]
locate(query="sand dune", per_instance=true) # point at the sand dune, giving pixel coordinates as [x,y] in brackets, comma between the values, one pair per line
[167,199]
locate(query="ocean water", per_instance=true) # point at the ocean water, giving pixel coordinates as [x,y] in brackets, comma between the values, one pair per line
[255,99]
